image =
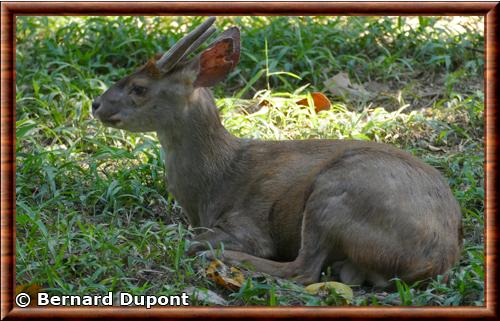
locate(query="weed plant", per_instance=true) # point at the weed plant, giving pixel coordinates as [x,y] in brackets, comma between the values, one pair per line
[92,210]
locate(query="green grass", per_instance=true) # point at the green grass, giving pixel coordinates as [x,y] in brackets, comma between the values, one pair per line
[93,212]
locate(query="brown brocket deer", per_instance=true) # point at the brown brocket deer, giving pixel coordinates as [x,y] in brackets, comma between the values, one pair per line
[289,208]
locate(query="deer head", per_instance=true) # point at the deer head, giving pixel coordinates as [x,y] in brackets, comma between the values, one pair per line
[155,96]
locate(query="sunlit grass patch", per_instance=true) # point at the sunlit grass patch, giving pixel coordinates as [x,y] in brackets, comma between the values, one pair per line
[92,209]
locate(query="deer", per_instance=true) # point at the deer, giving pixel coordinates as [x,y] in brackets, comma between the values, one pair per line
[290,208]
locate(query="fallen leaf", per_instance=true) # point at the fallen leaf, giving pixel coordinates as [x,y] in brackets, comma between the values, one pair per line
[320,101]
[340,85]
[340,288]
[230,278]
[264,103]
[32,290]
[205,295]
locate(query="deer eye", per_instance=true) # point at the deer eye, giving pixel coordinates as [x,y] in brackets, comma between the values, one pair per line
[138,90]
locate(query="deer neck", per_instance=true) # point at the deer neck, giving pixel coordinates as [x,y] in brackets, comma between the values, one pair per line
[198,150]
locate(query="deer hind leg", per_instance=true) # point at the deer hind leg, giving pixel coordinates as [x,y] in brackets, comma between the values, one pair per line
[303,273]
[306,268]
[275,268]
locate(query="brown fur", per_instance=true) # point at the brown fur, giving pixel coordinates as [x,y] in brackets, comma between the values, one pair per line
[291,208]
[150,68]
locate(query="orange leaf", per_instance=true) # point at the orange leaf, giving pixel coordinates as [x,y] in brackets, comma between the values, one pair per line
[264,103]
[32,290]
[320,102]
[231,279]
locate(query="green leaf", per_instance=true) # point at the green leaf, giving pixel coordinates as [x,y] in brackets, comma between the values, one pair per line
[23,127]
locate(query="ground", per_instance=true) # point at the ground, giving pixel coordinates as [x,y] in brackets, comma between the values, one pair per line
[93,213]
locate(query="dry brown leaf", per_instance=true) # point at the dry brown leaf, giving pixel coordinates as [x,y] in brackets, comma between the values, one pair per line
[340,85]
[32,290]
[230,278]
[321,102]
[264,103]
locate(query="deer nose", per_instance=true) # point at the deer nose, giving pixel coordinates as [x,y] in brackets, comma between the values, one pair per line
[95,105]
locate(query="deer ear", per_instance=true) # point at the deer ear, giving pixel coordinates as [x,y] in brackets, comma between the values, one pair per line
[218,60]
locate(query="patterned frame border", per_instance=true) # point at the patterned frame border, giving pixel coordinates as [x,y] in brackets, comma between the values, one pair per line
[9,11]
